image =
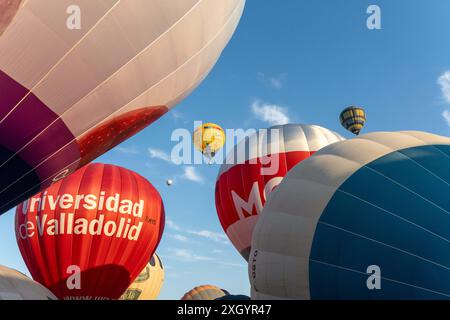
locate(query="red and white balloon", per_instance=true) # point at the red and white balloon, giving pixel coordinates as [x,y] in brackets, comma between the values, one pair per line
[254,168]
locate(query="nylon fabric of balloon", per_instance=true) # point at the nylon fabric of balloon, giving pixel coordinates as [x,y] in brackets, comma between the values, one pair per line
[254,168]
[14,285]
[69,95]
[353,119]
[206,292]
[208,139]
[373,207]
[8,10]
[89,235]
[148,283]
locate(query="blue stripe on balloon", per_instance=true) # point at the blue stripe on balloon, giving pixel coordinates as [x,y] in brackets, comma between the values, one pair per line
[431,172]
[401,226]
[433,158]
[444,148]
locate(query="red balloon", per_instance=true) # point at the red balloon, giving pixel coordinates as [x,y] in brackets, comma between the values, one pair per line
[89,235]
[243,185]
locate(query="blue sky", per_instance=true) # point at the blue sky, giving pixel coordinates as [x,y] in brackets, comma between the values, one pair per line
[290,60]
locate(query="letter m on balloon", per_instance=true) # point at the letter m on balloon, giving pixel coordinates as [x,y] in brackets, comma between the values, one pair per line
[253,202]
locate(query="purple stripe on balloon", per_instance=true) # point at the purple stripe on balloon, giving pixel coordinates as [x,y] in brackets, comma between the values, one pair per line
[35,123]
[25,123]
[55,143]
[11,93]
[59,166]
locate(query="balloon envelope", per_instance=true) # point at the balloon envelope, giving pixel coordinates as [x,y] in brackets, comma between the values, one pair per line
[208,139]
[89,235]
[373,208]
[8,9]
[148,283]
[17,286]
[206,292]
[353,119]
[254,168]
[70,94]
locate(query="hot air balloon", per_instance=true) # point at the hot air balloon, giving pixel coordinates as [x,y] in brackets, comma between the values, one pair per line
[17,286]
[148,283]
[353,119]
[70,94]
[254,168]
[366,218]
[89,235]
[206,292]
[8,9]
[208,139]
[169,182]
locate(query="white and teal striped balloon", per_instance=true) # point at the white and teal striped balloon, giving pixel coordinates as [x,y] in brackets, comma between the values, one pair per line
[378,202]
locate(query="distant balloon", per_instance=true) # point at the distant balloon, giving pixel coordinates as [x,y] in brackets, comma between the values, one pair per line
[206,292]
[8,9]
[360,215]
[89,235]
[208,139]
[17,286]
[65,99]
[169,182]
[148,283]
[254,168]
[353,119]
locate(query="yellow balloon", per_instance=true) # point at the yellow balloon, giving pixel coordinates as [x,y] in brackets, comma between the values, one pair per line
[208,139]
[149,282]
[353,119]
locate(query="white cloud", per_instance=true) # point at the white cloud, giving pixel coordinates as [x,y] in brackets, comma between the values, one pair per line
[444,83]
[187,255]
[211,235]
[446,115]
[270,113]
[275,82]
[176,115]
[191,174]
[179,237]
[159,154]
[230,264]
[172,225]
[127,150]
